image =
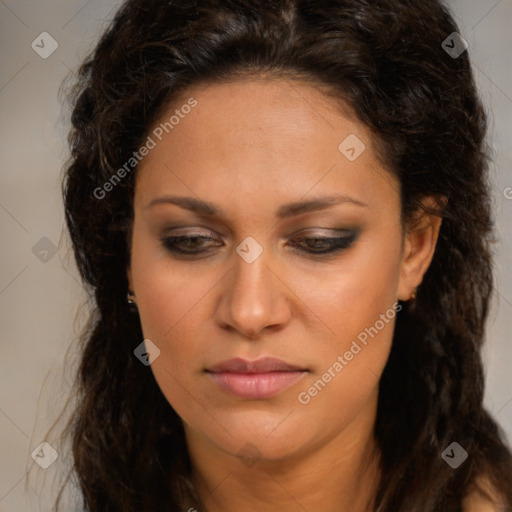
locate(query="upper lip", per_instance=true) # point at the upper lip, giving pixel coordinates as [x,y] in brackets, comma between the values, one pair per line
[263,365]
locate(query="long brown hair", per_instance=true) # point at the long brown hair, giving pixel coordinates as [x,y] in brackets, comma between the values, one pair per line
[386,59]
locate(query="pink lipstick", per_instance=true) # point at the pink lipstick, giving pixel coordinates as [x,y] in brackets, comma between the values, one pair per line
[255,380]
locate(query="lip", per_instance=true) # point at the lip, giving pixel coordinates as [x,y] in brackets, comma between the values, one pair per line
[262,365]
[260,379]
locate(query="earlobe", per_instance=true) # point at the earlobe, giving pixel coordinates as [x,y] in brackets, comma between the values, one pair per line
[419,247]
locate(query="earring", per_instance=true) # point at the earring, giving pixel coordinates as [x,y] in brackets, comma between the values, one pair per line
[413,295]
[130,299]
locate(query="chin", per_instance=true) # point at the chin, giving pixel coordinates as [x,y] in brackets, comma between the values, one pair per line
[263,436]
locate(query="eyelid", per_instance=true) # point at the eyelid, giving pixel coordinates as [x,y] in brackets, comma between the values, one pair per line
[189,231]
[335,244]
[325,232]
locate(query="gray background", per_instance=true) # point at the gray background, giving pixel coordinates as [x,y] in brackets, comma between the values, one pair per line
[41,301]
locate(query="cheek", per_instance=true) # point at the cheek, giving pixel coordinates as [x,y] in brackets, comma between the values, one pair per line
[167,299]
[353,295]
[347,376]
[171,303]
[359,306]
[165,293]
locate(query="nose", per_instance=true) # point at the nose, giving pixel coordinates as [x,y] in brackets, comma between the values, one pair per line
[253,300]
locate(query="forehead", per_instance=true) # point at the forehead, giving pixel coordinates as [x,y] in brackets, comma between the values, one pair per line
[264,137]
[277,114]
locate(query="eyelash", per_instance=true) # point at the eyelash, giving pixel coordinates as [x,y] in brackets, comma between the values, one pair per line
[335,244]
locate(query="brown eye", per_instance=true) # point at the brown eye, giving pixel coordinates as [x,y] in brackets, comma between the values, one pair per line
[189,244]
[325,245]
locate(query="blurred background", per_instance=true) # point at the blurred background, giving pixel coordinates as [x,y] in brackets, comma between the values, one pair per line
[42,305]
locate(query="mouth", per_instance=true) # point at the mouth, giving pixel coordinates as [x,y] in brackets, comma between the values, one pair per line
[256,380]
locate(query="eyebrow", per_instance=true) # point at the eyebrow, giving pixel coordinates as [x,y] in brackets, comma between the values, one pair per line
[284,211]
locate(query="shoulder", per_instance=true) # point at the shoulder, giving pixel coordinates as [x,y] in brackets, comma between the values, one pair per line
[484,500]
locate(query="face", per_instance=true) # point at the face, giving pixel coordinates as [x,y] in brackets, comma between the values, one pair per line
[259,233]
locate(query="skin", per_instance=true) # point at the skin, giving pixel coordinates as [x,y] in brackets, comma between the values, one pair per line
[249,147]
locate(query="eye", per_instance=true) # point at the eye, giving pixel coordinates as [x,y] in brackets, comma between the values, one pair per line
[325,244]
[189,244]
[195,244]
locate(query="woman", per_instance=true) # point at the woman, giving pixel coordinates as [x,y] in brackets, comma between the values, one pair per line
[282,211]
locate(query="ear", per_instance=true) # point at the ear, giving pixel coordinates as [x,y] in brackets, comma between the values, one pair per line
[420,241]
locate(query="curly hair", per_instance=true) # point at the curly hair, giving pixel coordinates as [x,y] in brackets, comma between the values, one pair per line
[385,59]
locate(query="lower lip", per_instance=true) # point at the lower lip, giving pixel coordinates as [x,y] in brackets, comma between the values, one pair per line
[256,385]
